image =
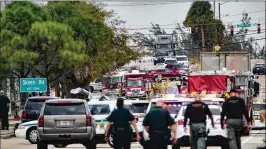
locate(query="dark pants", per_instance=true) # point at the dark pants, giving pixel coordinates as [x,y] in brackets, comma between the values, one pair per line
[234,128]
[122,140]
[179,89]
[159,140]
[197,136]
[5,123]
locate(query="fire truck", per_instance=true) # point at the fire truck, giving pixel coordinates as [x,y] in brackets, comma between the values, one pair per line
[137,84]
[114,82]
[219,83]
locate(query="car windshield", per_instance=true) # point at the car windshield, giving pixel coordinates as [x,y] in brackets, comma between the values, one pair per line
[215,109]
[258,107]
[129,107]
[35,104]
[100,109]
[181,58]
[163,46]
[117,79]
[172,107]
[170,61]
[106,80]
[64,109]
[259,65]
[135,83]
[140,107]
[161,54]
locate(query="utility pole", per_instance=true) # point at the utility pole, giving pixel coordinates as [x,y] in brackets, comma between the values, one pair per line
[219,9]
[202,37]
[214,9]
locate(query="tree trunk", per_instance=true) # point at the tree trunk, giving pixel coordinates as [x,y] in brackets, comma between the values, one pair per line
[202,37]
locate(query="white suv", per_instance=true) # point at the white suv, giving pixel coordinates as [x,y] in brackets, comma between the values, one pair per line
[183,59]
[216,136]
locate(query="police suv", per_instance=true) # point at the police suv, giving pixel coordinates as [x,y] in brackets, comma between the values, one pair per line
[258,121]
[216,136]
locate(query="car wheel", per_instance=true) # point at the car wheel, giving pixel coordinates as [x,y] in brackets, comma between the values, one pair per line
[101,90]
[154,63]
[41,145]
[92,89]
[32,135]
[60,145]
[111,140]
[176,146]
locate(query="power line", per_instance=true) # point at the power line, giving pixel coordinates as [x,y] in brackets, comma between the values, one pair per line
[142,4]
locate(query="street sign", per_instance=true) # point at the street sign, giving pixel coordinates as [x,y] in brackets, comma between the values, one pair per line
[243,25]
[33,85]
[217,47]
[187,29]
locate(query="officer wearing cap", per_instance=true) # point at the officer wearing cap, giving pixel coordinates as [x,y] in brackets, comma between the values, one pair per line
[234,108]
[196,112]
[121,119]
[156,123]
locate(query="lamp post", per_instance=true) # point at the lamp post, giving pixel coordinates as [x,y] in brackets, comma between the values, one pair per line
[219,8]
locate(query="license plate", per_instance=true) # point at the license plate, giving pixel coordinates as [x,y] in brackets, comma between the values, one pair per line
[256,117]
[64,123]
[258,68]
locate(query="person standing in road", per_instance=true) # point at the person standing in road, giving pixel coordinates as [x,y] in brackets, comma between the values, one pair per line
[179,84]
[4,107]
[196,112]
[121,119]
[156,123]
[234,108]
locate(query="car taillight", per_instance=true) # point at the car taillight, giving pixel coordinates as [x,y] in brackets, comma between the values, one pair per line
[88,120]
[41,121]
[180,122]
[24,114]
[218,121]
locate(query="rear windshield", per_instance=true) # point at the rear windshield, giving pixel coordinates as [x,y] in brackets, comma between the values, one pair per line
[129,107]
[65,109]
[172,107]
[215,109]
[170,61]
[140,107]
[161,54]
[101,109]
[258,107]
[259,65]
[35,104]
[181,58]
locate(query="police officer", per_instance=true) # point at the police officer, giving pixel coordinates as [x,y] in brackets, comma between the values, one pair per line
[121,119]
[196,112]
[179,83]
[156,123]
[4,107]
[234,108]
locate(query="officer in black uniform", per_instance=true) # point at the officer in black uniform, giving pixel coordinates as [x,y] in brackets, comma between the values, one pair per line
[234,108]
[196,112]
[121,119]
[156,123]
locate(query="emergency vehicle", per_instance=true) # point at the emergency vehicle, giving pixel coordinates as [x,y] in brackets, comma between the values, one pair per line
[114,82]
[136,84]
[258,118]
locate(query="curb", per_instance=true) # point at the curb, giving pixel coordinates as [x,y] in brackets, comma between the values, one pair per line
[7,136]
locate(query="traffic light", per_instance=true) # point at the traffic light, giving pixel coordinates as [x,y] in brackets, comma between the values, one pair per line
[258,26]
[232,30]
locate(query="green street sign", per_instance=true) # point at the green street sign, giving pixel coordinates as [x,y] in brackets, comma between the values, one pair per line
[243,25]
[33,85]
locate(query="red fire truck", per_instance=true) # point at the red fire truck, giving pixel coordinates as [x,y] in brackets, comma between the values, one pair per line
[221,82]
[136,84]
[114,82]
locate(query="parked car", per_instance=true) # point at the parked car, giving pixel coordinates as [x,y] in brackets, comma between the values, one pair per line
[216,136]
[66,121]
[33,107]
[159,57]
[259,69]
[170,61]
[28,131]
[96,85]
[257,123]
[183,59]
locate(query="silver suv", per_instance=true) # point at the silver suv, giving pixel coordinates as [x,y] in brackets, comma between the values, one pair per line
[66,121]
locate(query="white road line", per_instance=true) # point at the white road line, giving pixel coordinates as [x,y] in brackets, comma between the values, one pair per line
[249,138]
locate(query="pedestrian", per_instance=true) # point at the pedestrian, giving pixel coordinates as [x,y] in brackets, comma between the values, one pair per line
[234,108]
[179,84]
[4,107]
[196,113]
[156,123]
[120,119]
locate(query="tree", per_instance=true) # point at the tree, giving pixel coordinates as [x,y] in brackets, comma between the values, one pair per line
[206,31]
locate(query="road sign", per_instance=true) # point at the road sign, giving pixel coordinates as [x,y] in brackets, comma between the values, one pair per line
[243,25]
[217,47]
[33,85]
[187,29]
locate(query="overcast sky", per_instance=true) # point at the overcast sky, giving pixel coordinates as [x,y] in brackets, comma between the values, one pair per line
[140,16]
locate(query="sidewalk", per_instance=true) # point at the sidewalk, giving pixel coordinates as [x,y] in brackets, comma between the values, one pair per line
[6,134]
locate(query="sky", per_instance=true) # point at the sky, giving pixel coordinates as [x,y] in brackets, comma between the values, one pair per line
[166,15]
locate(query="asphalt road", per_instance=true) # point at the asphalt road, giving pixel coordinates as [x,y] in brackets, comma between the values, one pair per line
[248,142]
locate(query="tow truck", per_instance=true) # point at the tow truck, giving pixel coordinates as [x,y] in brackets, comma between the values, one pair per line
[136,84]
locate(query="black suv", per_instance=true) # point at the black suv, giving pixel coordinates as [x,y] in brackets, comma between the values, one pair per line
[259,69]
[33,107]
